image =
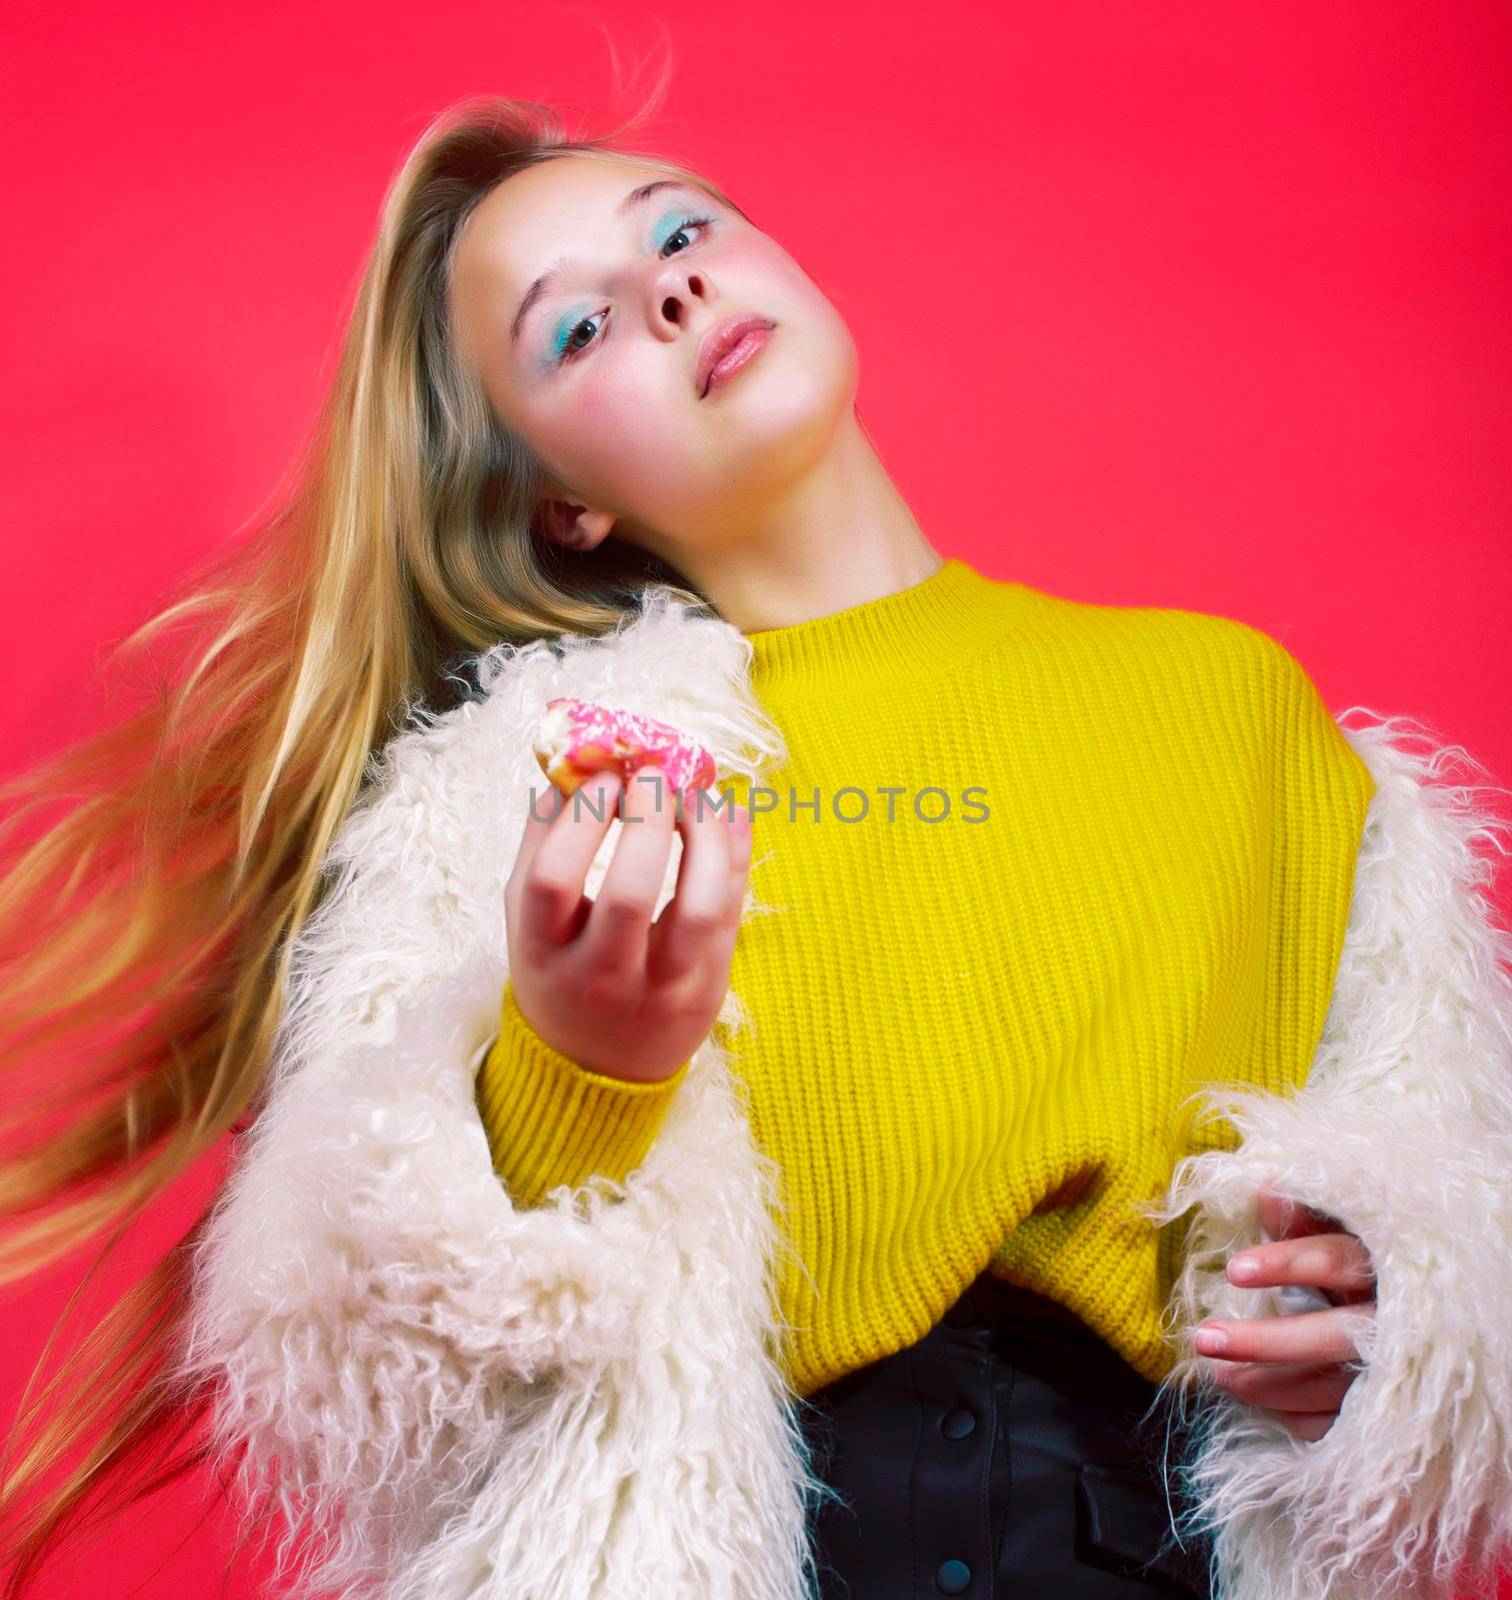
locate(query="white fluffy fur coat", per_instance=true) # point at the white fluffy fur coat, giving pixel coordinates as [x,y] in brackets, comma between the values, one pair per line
[436,1396]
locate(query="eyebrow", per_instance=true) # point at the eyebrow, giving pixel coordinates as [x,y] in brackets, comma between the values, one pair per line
[548,279]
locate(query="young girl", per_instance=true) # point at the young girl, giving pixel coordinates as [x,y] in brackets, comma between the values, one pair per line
[817,1191]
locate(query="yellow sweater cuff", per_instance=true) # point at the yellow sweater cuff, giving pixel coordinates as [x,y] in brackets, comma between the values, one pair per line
[551,1121]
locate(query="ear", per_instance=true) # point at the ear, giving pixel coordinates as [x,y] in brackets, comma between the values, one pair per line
[576,527]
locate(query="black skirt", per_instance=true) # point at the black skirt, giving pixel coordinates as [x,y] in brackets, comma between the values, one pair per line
[1010,1451]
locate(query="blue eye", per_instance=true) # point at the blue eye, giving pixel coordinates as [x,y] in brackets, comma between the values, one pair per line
[563,348]
[684,225]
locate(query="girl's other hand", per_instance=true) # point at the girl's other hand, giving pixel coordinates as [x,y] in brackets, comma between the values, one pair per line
[599,980]
[1297,1365]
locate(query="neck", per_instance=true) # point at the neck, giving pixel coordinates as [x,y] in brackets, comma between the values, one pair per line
[839,536]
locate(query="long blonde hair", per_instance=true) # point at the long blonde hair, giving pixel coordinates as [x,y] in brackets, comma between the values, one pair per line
[144,931]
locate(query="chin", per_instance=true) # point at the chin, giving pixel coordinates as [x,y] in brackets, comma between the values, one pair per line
[798,384]
[781,437]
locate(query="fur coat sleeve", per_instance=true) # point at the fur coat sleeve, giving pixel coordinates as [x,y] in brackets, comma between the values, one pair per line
[428,1393]
[425,1392]
[1403,1134]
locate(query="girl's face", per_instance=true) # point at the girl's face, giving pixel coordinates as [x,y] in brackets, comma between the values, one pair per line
[598,367]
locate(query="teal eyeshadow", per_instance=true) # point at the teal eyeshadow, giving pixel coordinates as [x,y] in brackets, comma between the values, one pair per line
[562,329]
[671,222]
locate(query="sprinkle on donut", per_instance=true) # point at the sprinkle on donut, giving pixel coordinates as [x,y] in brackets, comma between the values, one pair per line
[577,738]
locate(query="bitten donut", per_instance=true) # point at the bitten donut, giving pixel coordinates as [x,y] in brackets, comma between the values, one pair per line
[576,738]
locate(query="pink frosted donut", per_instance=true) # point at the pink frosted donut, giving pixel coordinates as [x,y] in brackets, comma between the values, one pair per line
[576,738]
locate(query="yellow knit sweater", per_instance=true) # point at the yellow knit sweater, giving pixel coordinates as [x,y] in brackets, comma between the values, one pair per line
[1104,857]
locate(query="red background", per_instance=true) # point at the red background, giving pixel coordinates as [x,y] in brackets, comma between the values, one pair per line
[1173,306]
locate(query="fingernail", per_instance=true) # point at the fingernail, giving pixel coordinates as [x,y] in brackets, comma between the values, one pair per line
[1212,1341]
[1245,1266]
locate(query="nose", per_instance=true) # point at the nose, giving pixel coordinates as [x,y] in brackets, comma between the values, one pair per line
[676,291]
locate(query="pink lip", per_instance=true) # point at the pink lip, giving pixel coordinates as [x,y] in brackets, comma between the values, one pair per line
[730,345]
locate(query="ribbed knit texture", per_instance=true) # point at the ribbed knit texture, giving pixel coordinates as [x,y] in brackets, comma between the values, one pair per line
[971,1041]
[552,1121]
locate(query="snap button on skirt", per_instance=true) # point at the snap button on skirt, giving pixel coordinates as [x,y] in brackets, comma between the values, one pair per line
[1008,1451]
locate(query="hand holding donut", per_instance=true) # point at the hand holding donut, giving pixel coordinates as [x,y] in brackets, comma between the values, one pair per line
[599,980]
